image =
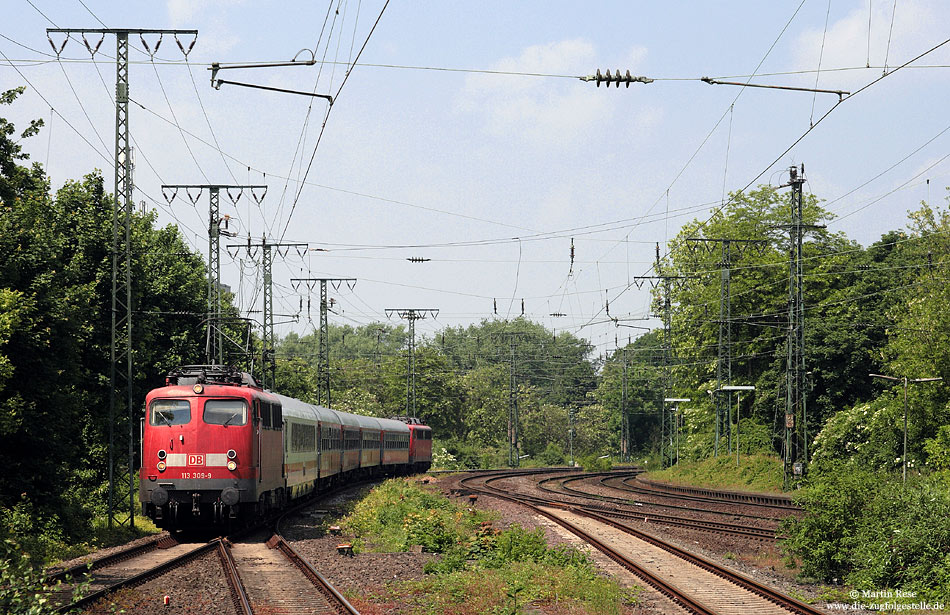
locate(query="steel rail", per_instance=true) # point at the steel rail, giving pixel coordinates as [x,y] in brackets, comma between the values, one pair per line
[739,579]
[650,578]
[109,560]
[724,494]
[711,526]
[729,529]
[709,495]
[141,577]
[333,596]
[746,583]
[239,597]
[698,524]
[628,502]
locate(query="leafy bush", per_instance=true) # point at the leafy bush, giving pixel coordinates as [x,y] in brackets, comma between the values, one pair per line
[867,528]
[870,433]
[552,455]
[938,449]
[400,513]
[832,502]
[480,569]
[594,463]
[459,455]
[443,459]
[22,587]
[39,533]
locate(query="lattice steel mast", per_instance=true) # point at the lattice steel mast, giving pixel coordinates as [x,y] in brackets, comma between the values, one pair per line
[323,350]
[724,355]
[411,315]
[214,346]
[120,355]
[268,358]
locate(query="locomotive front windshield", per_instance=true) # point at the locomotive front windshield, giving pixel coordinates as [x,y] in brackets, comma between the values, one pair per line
[170,412]
[225,412]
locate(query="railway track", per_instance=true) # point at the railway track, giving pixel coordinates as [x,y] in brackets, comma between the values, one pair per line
[270,578]
[720,527]
[279,580]
[699,494]
[698,585]
[608,477]
[136,567]
[81,570]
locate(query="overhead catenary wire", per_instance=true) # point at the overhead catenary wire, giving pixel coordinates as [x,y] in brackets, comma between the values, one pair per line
[326,118]
[594,261]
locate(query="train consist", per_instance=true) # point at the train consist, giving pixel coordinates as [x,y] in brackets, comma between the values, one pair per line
[217,447]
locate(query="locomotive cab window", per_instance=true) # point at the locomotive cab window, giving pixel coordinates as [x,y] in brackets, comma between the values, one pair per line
[169,412]
[225,412]
[264,412]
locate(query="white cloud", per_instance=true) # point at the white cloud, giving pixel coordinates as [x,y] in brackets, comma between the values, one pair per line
[917,25]
[215,37]
[546,110]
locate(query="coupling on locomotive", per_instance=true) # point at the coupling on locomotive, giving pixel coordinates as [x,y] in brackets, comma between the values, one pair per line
[216,447]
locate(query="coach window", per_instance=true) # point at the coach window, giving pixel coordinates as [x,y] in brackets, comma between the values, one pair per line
[225,412]
[170,412]
[278,416]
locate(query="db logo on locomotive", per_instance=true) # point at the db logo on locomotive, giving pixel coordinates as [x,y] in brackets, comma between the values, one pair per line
[196,460]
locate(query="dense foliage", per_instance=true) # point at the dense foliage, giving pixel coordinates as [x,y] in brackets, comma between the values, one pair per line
[866,528]
[55,297]
[463,386]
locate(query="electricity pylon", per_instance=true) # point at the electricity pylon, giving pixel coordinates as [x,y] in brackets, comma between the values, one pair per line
[214,347]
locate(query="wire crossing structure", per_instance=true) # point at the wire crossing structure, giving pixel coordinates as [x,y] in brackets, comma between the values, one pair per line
[624,417]
[411,315]
[795,439]
[214,343]
[266,248]
[667,282]
[120,356]
[514,425]
[323,350]
[724,355]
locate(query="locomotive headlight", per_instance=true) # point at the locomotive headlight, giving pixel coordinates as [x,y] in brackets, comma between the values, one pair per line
[232,466]
[161,466]
[161,454]
[231,454]
[198,389]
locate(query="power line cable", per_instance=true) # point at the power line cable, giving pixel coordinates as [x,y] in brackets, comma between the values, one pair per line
[329,109]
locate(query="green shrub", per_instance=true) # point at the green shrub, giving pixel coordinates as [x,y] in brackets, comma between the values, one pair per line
[903,538]
[867,528]
[400,513]
[594,463]
[832,502]
[480,569]
[938,449]
[552,455]
[22,587]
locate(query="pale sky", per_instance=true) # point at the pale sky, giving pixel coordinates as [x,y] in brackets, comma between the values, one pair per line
[491,175]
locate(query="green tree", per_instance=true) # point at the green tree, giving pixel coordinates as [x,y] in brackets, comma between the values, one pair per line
[55,292]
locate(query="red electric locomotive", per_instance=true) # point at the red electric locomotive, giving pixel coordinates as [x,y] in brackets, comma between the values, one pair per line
[216,446]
